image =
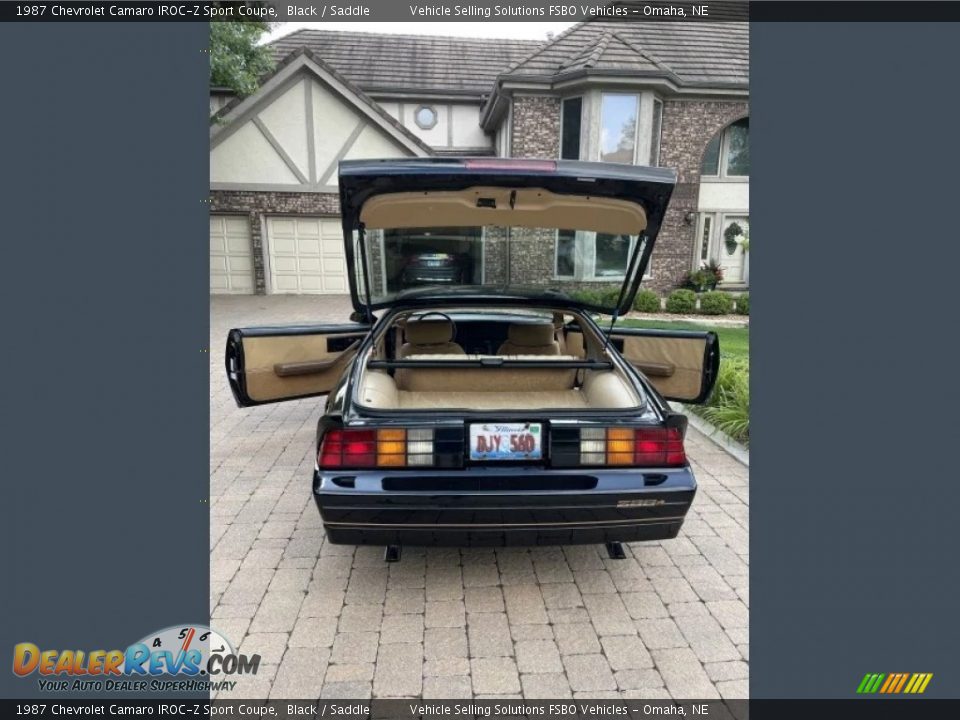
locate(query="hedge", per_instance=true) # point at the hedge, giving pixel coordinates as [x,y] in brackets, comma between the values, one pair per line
[715,303]
[647,301]
[743,304]
[682,302]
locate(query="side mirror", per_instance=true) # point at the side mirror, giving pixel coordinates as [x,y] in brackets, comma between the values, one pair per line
[358,317]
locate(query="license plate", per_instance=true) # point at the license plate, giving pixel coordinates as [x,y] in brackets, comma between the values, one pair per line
[505,441]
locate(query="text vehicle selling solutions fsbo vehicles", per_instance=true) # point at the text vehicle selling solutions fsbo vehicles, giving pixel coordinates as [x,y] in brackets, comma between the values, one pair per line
[497,409]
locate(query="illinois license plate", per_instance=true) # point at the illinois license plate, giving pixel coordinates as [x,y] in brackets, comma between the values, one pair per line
[506,441]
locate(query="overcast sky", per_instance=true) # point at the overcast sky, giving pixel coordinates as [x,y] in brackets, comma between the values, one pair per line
[525,30]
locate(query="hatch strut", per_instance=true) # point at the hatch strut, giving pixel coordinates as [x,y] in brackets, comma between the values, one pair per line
[361,238]
[631,266]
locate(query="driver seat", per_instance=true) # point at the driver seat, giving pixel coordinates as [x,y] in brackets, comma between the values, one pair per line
[429,337]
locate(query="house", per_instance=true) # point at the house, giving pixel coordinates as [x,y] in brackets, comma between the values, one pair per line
[658,93]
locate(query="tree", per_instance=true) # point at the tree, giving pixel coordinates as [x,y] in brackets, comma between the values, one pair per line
[236,60]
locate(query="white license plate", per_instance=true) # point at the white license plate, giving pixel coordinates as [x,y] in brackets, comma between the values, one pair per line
[506,441]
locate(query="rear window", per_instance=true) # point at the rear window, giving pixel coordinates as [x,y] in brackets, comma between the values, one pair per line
[581,265]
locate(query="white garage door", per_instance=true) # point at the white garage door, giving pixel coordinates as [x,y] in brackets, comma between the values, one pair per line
[231,255]
[306,255]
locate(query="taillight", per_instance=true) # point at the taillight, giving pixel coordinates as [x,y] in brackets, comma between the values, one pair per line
[392,447]
[633,447]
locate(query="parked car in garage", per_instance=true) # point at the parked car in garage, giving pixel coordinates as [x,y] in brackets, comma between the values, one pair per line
[503,411]
[433,265]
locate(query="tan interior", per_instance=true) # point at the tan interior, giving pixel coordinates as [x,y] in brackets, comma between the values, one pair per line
[673,365]
[271,362]
[530,339]
[531,208]
[490,389]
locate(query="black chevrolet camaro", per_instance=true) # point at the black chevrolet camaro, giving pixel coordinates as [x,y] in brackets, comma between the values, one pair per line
[500,410]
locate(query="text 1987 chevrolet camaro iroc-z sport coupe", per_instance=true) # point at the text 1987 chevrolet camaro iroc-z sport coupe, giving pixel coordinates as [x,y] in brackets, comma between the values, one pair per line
[499,409]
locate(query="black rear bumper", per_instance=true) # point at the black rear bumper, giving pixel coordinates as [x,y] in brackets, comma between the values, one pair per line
[499,506]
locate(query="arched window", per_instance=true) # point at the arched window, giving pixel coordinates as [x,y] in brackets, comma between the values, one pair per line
[728,154]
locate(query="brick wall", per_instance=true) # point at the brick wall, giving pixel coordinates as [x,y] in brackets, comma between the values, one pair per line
[255,204]
[687,128]
[536,127]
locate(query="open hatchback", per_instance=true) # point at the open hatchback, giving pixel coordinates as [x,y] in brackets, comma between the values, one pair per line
[474,398]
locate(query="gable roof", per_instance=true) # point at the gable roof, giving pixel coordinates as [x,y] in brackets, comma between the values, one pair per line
[692,54]
[305,61]
[410,63]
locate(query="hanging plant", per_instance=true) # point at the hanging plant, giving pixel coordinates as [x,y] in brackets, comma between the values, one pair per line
[730,236]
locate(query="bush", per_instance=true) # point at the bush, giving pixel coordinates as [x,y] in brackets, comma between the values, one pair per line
[729,405]
[647,301]
[716,303]
[743,304]
[601,297]
[681,302]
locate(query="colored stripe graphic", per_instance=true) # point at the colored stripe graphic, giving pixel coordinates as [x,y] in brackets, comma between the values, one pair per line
[894,683]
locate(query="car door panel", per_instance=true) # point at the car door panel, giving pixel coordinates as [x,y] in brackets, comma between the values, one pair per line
[273,364]
[682,365]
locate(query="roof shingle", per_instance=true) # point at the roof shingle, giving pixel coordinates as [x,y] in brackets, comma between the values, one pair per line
[418,63]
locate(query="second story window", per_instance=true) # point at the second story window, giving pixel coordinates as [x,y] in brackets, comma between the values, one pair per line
[618,127]
[570,129]
[728,154]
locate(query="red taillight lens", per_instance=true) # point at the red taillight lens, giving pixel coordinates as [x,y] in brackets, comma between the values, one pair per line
[636,447]
[376,448]
[659,446]
[348,448]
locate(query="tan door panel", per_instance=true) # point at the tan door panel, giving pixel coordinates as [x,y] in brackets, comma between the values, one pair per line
[680,366]
[268,366]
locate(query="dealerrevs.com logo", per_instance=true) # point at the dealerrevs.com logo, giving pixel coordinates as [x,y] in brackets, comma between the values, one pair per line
[201,658]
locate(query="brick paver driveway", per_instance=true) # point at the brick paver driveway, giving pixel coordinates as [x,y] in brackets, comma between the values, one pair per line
[336,621]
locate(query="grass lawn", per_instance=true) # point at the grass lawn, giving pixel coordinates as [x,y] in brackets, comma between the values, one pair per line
[729,405]
[734,341]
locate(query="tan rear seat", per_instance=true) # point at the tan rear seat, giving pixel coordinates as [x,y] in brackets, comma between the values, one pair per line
[484,379]
[530,339]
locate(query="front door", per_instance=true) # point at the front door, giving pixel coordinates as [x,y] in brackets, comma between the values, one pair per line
[734,231]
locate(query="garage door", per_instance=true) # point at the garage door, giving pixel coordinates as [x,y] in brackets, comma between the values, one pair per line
[231,255]
[306,255]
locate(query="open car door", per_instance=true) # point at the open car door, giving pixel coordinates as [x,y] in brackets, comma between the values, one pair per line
[270,364]
[681,364]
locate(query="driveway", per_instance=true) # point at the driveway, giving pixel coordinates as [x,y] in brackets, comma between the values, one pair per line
[336,621]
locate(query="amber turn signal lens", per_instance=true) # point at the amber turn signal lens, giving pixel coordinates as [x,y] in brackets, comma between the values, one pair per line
[392,448]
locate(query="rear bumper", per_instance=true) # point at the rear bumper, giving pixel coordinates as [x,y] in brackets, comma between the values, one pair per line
[500,506]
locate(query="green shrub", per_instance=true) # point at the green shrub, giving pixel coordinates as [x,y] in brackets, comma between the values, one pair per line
[743,304]
[716,303]
[601,297]
[647,301]
[729,405]
[681,302]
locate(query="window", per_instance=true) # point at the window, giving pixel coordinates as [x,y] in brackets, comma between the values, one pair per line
[657,129]
[729,152]
[592,256]
[618,127]
[570,129]
[705,238]
[738,149]
[612,253]
[566,249]
[425,117]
